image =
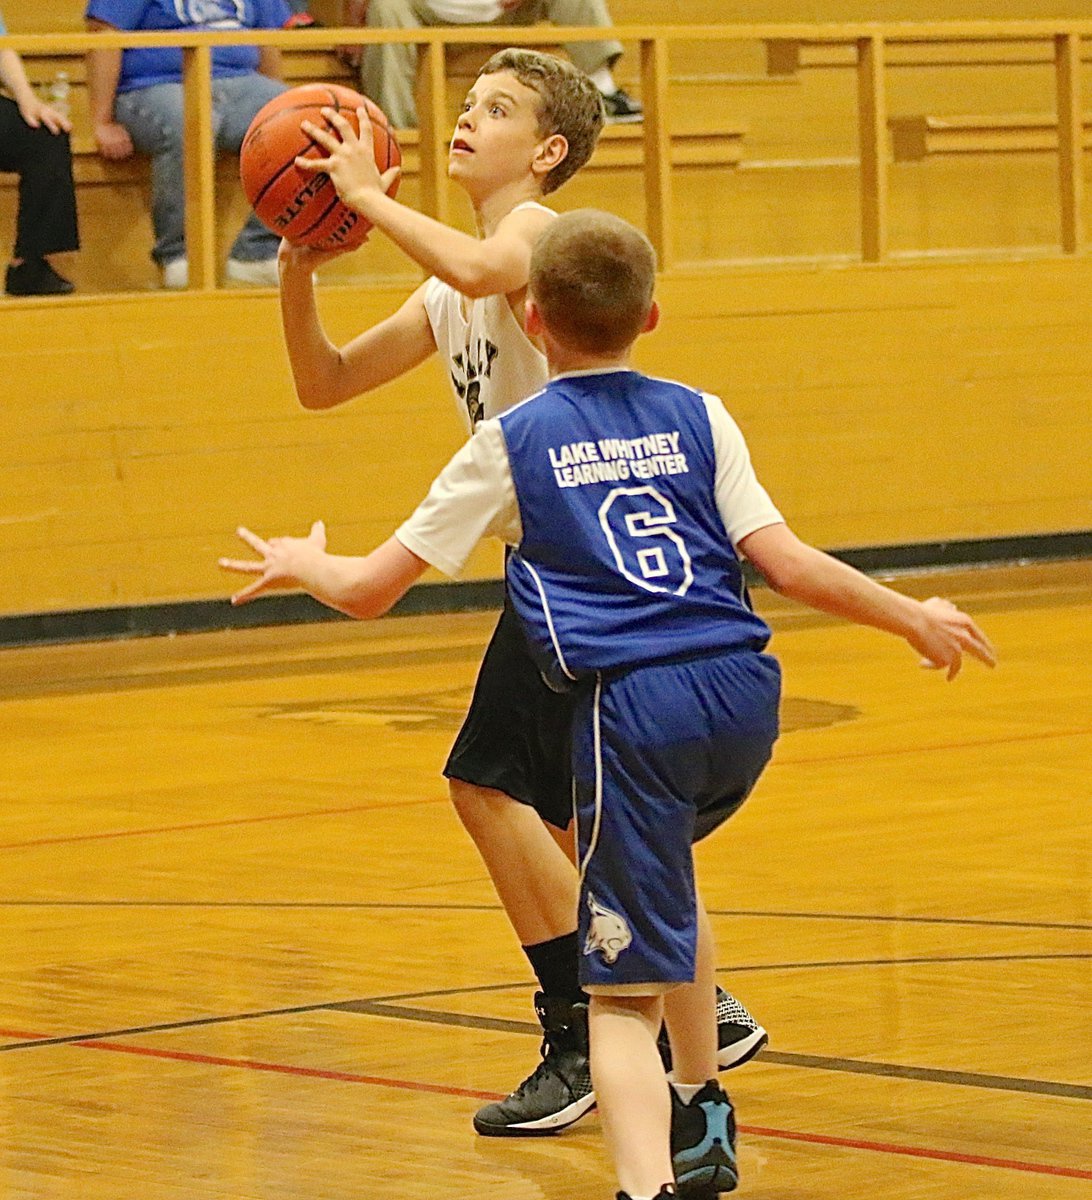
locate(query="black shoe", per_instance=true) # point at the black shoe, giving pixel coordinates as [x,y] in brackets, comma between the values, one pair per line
[703,1143]
[559,1090]
[622,109]
[35,277]
[739,1035]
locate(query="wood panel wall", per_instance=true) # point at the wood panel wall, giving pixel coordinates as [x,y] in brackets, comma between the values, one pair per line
[892,404]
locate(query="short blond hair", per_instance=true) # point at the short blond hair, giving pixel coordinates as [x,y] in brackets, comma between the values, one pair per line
[569,104]
[592,279]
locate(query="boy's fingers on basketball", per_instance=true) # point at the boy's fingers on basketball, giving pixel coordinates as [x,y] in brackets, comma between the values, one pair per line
[340,124]
[312,166]
[388,177]
[252,540]
[322,136]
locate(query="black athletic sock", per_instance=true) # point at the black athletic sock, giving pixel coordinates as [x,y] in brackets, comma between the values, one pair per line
[555,966]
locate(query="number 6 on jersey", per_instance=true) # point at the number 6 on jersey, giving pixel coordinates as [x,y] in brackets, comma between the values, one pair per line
[648,552]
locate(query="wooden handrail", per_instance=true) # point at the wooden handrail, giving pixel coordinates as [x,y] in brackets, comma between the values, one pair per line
[870,41]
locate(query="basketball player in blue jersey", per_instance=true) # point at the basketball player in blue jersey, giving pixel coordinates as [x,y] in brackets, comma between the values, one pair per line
[627,502]
[529,123]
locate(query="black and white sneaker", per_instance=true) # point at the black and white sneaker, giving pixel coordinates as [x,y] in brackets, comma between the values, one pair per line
[559,1090]
[703,1143]
[739,1035]
[622,109]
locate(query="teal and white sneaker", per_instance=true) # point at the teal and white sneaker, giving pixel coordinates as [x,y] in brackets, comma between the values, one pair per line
[703,1143]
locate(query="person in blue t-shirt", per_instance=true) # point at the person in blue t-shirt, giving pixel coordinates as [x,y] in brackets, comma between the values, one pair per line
[34,144]
[136,104]
[627,502]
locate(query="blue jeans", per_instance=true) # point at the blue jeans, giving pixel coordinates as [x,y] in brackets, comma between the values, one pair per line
[153,117]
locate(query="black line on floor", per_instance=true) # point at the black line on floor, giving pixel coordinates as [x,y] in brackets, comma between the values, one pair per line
[815,1062]
[428,906]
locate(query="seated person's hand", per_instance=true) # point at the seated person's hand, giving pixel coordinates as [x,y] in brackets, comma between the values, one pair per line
[36,113]
[113,141]
[350,55]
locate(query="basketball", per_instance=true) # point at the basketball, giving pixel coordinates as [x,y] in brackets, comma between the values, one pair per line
[306,209]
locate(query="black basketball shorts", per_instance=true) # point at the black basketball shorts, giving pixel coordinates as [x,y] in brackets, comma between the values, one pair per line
[517,734]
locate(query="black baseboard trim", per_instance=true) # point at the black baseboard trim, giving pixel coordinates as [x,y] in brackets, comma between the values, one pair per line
[206,616]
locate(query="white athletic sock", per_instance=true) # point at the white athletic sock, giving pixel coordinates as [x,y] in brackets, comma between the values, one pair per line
[686,1091]
[604,81]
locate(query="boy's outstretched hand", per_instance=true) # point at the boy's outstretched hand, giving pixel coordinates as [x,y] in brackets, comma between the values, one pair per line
[283,559]
[946,633]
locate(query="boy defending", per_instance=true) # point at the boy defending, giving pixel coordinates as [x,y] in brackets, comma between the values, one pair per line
[529,123]
[626,500]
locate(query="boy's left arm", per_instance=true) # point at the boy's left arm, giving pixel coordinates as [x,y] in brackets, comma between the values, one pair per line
[361,587]
[495,265]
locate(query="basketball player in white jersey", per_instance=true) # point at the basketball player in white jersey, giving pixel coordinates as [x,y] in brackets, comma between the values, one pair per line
[529,123]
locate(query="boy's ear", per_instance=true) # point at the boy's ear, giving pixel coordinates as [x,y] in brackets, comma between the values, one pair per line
[532,318]
[551,151]
[653,318]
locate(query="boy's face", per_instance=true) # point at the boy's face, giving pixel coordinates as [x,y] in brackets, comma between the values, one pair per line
[497,134]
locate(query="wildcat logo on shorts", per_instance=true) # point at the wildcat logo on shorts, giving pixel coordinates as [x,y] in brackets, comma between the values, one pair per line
[607,932]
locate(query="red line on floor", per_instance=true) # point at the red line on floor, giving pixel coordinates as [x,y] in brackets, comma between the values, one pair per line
[978,1160]
[124,833]
[896,751]
[251,1064]
[816,1139]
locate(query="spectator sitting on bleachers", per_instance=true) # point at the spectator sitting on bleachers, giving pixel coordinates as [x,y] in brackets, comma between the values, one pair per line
[388,71]
[34,144]
[136,104]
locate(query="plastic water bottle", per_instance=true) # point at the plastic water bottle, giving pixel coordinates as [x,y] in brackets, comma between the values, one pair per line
[59,94]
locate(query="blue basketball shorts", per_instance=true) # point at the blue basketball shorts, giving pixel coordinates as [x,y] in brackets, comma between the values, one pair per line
[662,755]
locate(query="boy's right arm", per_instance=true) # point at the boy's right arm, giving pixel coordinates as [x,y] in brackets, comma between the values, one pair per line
[326,376]
[935,628]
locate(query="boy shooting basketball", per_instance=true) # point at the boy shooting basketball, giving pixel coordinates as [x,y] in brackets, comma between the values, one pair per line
[529,123]
[626,501]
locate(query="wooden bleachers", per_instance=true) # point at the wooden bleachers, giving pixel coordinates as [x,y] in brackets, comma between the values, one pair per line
[916,137]
[787,57]
[122,188]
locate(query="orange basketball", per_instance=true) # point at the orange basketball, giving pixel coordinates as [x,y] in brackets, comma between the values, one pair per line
[303,208]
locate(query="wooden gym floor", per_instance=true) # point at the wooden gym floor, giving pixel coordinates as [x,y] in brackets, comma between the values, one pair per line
[247,952]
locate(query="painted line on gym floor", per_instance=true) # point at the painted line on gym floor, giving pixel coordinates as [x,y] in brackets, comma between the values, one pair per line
[159,829]
[253,1064]
[940,747]
[977,1160]
[438,906]
[155,830]
[384,1006]
[817,1139]
[781,1058]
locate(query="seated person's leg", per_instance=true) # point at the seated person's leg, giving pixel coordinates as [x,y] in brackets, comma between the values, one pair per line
[46,216]
[235,102]
[153,117]
[595,59]
[388,73]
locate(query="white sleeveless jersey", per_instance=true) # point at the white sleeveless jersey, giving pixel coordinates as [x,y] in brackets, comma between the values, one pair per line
[490,361]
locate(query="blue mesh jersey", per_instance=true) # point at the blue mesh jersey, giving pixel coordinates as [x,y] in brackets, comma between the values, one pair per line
[625,558]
